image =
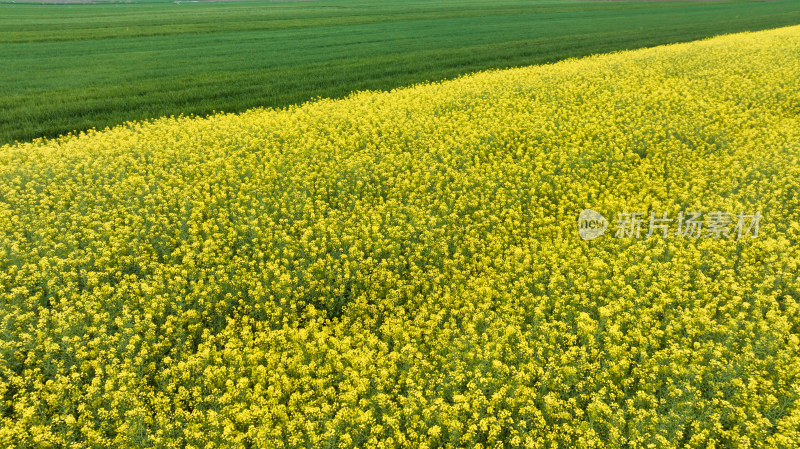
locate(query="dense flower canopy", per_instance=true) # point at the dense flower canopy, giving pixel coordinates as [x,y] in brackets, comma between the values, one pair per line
[403,269]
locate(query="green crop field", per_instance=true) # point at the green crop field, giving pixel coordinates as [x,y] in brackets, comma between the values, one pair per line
[78,66]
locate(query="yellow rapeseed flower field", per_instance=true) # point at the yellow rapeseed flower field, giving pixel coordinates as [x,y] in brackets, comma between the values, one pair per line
[404,269]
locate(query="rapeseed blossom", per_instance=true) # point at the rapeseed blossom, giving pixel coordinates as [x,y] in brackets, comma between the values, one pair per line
[403,269]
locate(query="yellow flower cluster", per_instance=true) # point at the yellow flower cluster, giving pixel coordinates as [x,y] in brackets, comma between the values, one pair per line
[403,269]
